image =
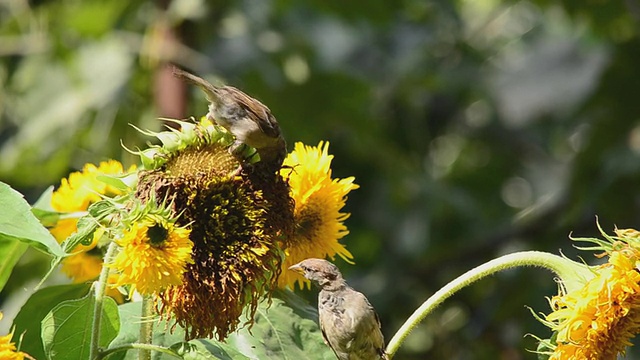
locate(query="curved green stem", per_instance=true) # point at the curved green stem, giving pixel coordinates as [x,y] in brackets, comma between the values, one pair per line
[99,287]
[562,267]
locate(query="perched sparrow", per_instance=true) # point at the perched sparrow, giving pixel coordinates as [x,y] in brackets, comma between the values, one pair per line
[250,121]
[349,323]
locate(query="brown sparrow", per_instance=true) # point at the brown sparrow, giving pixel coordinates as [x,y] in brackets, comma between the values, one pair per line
[246,118]
[349,324]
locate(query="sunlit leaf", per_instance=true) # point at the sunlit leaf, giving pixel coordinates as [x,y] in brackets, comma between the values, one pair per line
[18,223]
[66,330]
[43,210]
[130,330]
[101,209]
[87,225]
[285,330]
[116,182]
[207,349]
[197,349]
[10,252]
[28,321]
[44,201]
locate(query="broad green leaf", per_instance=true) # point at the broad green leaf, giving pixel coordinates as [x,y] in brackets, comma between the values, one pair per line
[285,330]
[28,321]
[43,210]
[207,349]
[130,328]
[299,305]
[10,253]
[47,218]
[44,201]
[66,330]
[197,349]
[280,332]
[18,223]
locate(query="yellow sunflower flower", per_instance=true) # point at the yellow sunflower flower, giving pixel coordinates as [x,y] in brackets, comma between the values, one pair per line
[83,266]
[153,256]
[598,319]
[318,201]
[81,189]
[8,350]
[75,194]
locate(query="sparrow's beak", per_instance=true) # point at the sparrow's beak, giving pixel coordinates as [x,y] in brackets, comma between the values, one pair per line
[297,268]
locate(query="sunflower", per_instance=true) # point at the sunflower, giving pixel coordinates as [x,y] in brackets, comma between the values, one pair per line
[74,195]
[597,319]
[237,214]
[153,257]
[83,266]
[82,188]
[319,224]
[8,350]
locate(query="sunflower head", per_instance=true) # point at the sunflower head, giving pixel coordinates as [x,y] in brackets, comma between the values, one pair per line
[153,253]
[237,217]
[74,197]
[597,319]
[8,349]
[81,189]
[319,223]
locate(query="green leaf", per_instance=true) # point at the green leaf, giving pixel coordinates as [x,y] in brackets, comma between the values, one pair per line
[114,181]
[299,305]
[44,201]
[43,210]
[47,218]
[284,330]
[10,252]
[101,209]
[130,329]
[66,330]
[28,321]
[207,349]
[19,223]
[87,225]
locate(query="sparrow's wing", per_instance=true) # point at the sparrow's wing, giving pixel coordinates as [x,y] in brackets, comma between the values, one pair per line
[326,339]
[324,334]
[381,349]
[269,124]
[368,332]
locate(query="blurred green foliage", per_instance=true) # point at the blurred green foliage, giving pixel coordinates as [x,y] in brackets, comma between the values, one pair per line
[475,128]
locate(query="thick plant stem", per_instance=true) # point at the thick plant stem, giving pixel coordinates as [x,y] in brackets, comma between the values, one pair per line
[146,327]
[99,288]
[555,263]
